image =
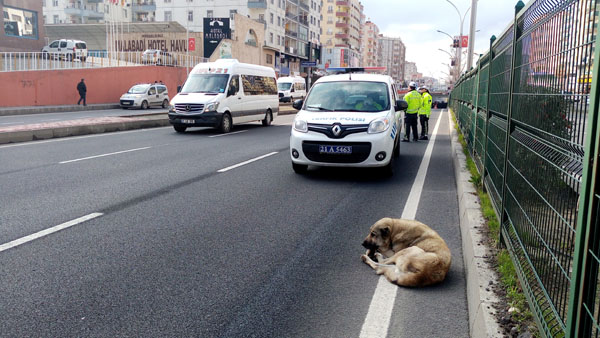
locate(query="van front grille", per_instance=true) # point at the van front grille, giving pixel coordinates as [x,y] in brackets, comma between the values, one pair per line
[189,108]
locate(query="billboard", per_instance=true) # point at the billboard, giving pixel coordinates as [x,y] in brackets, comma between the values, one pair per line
[215,30]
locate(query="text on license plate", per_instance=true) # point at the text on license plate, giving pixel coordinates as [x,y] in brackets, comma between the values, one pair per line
[335,149]
[188,121]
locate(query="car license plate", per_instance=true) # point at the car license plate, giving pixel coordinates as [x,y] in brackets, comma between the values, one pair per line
[126,103]
[335,149]
[188,121]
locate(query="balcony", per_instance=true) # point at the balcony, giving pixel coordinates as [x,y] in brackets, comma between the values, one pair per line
[257,4]
[341,25]
[344,3]
[342,14]
[341,36]
[144,7]
[84,12]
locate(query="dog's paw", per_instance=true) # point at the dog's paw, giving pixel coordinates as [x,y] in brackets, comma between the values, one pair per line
[365,258]
[379,257]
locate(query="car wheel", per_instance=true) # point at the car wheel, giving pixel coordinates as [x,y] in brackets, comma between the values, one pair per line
[268,119]
[144,105]
[388,170]
[165,103]
[179,128]
[299,168]
[225,126]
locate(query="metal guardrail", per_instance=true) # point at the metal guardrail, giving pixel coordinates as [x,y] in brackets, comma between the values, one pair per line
[29,61]
[526,116]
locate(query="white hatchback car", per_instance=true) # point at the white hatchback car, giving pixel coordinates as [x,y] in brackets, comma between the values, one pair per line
[66,49]
[145,95]
[348,120]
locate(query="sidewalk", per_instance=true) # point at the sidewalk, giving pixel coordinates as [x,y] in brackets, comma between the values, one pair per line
[77,127]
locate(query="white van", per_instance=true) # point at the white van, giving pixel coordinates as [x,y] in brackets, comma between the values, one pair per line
[66,49]
[225,92]
[291,88]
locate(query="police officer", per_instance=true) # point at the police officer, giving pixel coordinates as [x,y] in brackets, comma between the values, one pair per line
[414,100]
[424,112]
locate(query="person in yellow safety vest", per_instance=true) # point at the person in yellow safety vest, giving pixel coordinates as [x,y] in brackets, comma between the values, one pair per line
[414,99]
[425,112]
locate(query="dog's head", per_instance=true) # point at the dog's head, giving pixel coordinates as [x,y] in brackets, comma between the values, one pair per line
[379,237]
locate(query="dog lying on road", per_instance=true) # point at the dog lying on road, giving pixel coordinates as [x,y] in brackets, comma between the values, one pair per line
[408,253]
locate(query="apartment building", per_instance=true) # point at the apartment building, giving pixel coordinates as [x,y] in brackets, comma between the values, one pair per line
[410,71]
[392,55]
[341,37]
[87,11]
[370,46]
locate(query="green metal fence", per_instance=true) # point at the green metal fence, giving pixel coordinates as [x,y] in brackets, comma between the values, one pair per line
[528,112]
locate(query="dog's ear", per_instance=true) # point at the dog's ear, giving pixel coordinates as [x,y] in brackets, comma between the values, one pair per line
[385,231]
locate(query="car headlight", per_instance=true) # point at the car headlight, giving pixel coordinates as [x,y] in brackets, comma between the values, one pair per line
[379,125]
[211,107]
[301,126]
[171,108]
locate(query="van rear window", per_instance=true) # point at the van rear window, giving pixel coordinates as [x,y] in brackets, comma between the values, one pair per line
[80,45]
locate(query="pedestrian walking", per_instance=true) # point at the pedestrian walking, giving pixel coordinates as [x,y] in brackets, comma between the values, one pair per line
[414,99]
[425,112]
[82,89]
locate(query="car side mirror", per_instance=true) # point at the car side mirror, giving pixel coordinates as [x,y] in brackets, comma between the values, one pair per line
[231,91]
[401,105]
[298,104]
[291,91]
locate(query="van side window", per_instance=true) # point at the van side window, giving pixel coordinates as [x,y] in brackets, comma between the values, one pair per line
[54,44]
[152,91]
[259,85]
[161,89]
[234,85]
[63,44]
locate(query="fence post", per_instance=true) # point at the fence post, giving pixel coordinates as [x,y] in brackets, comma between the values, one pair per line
[518,7]
[487,113]
[584,274]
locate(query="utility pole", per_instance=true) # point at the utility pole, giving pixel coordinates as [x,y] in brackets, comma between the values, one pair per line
[472,33]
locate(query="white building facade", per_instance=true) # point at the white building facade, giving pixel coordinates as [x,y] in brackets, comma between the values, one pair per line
[86,11]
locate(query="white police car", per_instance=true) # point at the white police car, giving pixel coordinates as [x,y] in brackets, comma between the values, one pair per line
[347,120]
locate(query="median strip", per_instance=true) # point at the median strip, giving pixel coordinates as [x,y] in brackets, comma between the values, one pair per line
[48,231]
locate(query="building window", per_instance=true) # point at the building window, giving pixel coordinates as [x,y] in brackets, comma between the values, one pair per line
[232,13]
[279,40]
[261,18]
[55,19]
[54,3]
[269,59]
[168,16]
[271,37]
[167,1]
[209,13]
[271,20]
[251,38]
[190,15]
[278,21]
[20,23]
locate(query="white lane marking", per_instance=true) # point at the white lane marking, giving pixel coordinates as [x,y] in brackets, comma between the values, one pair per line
[246,162]
[48,231]
[377,322]
[235,132]
[103,155]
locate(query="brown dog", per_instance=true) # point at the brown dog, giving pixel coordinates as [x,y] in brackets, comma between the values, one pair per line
[416,254]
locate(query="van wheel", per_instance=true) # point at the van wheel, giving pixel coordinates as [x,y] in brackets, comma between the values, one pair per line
[144,105]
[299,168]
[268,119]
[179,128]
[225,126]
[165,103]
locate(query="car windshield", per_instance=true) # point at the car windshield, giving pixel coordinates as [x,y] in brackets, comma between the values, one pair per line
[284,85]
[353,96]
[205,83]
[138,89]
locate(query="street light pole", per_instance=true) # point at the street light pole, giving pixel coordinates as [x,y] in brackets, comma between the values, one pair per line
[462,20]
[456,66]
[472,33]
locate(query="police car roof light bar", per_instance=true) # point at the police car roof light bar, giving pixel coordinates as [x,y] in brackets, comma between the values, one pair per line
[349,70]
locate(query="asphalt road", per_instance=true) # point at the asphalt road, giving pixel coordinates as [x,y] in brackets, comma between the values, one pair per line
[184,241]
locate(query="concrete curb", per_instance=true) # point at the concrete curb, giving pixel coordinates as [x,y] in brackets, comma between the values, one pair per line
[9,111]
[479,273]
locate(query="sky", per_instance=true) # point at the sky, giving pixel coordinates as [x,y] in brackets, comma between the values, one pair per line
[416,22]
